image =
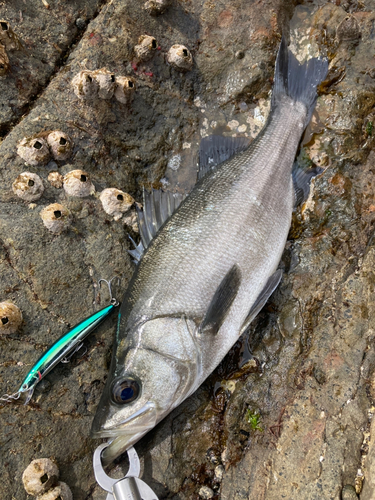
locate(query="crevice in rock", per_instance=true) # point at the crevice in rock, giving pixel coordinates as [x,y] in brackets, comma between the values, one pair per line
[7,127]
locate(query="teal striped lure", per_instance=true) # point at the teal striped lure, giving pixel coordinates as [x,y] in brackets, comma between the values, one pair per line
[62,350]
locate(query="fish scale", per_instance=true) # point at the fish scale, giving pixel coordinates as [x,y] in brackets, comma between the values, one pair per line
[210,268]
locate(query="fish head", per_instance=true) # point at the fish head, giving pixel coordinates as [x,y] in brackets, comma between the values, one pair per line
[145,384]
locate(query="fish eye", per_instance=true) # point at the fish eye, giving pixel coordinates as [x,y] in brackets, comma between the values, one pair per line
[125,391]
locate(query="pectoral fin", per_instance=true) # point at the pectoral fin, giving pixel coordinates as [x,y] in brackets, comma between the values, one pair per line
[221,302]
[264,295]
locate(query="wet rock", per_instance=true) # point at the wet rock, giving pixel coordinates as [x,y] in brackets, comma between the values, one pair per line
[315,330]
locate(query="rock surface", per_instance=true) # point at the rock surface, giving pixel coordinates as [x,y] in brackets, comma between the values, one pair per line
[288,412]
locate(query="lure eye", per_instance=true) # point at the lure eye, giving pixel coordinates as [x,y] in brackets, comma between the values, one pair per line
[125,391]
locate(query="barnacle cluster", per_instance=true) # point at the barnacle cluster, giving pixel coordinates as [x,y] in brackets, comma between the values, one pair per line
[40,479]
[102,84]
[39,149]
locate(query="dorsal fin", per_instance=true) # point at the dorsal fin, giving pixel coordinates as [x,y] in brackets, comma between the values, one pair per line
[158,206]
[216,149]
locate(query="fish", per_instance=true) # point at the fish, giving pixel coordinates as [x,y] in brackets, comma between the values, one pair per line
[207,263]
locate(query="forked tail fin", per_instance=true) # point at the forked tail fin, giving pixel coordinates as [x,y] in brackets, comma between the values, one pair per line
[298,81]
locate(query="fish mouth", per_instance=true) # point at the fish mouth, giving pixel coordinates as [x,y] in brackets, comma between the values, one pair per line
[138,422]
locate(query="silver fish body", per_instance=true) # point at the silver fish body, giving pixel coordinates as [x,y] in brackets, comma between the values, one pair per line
[217,251]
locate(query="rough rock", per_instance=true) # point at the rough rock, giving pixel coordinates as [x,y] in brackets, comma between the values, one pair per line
[288,412]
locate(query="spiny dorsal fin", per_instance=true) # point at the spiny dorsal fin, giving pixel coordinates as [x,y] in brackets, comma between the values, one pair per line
[158,206]
[221,302]
[262,298]
[216,149]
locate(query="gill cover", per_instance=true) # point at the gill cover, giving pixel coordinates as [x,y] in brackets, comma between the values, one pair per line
[152,371]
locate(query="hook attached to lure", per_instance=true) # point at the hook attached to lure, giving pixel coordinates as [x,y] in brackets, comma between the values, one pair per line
[63,349]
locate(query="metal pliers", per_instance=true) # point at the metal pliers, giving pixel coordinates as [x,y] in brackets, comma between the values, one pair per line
[129,487]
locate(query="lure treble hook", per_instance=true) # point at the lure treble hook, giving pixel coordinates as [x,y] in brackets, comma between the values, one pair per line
[8,398]
[114,301]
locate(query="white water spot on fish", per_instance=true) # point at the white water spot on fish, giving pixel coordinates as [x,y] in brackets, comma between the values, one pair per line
[233,124]
[242,128]
[205,123]
[186,145]
[213,124]
[174,162]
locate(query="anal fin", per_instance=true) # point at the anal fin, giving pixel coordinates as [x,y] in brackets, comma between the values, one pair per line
[301,182]
[221,302]
[262,298]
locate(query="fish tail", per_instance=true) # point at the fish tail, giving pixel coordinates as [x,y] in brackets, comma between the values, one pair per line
[298,81]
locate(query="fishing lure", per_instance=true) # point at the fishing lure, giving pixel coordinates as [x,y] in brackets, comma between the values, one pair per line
[63,349]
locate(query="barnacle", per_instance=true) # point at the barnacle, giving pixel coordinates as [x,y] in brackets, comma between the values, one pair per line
[4,61]
[106,81]
[156,7]
[28,186]
[146,47]
[56,179]
[34,150]
[85,85]
[115,202]
[348,30]
[348,493]
[7,36]
[60,144]
[10,318]
[56,218]
[78,183]
[180,57]
[40,476]
[60,492]
[125,87]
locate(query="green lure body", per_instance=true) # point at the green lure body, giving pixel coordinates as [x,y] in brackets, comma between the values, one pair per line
[68,344]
